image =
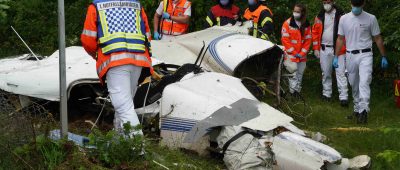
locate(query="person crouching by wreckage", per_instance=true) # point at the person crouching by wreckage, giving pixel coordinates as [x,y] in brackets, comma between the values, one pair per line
[223,14]
[175,18]
[116,34]
[296,39]
[261,18]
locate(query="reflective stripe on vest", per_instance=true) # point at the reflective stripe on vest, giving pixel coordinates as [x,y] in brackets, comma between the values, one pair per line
[89,33]
[209,21]
[122,56]
[121,27]
[255,16]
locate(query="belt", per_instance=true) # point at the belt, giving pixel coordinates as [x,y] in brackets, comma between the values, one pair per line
[323,46]
[360,51]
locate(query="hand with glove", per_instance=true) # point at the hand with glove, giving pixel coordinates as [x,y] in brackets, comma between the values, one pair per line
[384,63]
[156,35]
[335,62]
[298,56]
[166,15]
[316,53]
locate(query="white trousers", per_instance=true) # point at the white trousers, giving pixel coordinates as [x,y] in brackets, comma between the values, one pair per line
[326,60]
[295,81]
[122,84]
[359,67]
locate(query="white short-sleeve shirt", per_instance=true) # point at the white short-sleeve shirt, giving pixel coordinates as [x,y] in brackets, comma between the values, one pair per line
[358,30]
[160,8]
[327,36]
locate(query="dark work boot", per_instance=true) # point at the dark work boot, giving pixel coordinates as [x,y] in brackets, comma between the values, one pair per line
[354,114]
[296,95]
[326,99]
[363,117]
[344,103]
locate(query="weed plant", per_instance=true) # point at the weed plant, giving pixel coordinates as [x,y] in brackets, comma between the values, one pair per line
[113,148]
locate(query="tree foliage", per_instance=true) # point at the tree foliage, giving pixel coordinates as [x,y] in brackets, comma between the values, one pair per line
[36,20]
[3,9]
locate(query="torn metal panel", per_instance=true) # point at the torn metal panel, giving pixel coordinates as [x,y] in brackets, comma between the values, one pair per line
[40,78]
[241,111]
[269,119]
[228,48]
[297,152]
[358,162]
[197,96]
[246,152]
[312,147]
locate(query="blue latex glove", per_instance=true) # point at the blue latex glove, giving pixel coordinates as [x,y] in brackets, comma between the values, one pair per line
[384,63]
[165,15]
[335,63]
[156,35]
[298,56]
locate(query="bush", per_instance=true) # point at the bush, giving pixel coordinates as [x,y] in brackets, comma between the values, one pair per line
[44,152]
[114,149]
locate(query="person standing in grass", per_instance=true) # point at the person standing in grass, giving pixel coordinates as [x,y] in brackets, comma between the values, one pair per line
[324,33]
[116,34]
[296,39]
[360,29]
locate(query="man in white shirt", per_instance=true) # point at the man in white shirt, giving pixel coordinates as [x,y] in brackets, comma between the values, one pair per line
[175,18]
[360,29]
[324,33]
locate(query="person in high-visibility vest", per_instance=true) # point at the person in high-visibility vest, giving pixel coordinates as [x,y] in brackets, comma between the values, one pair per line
[174,16]
[116,34]
[324,33]
[261,18]
[223,14]
[359,29]
[296,39]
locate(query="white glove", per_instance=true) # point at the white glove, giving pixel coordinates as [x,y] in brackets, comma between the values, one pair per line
[316,53]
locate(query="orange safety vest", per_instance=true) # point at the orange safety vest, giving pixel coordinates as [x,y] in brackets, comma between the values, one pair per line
[89,39]
[170,27]
[255,17]
[294,42]
[317,31]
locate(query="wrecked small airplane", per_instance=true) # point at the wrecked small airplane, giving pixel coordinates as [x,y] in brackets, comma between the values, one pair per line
[201,102]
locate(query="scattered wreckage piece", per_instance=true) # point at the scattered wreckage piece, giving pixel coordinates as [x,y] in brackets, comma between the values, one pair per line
[39,79]
[227,51]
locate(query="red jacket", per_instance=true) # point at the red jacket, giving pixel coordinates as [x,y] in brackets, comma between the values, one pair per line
[318,30]
[221,16]
[104,62]
[294,42]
